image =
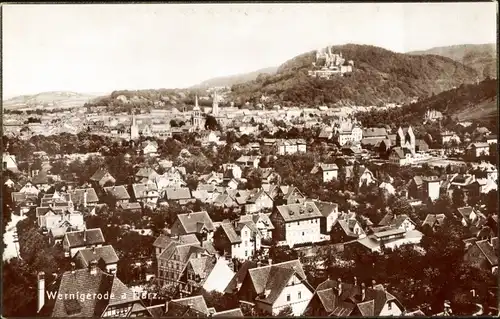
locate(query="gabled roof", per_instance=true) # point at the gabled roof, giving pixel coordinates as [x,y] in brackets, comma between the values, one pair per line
[130,206]
[142,190]
[178,193]
[394,220]
[231,233]
[274,278]
[196,303]
[326,208]
[191,222]
[118,192]
[106,253]
[82,282]
[489,251]
[240,276]
[85,237]
[146,172]
[99,174]
[434,219]
[296,212]
[77,196]
[351,297]
[202,266]
[465,211]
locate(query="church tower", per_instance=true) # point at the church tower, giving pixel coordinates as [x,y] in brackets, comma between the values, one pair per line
[134,129]
[196,119]
[215,105]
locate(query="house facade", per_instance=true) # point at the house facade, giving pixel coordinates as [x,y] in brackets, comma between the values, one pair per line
[297,223]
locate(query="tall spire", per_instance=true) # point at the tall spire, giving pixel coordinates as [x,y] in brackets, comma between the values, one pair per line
[196,101]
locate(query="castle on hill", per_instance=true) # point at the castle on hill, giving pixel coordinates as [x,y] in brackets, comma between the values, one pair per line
[330,64]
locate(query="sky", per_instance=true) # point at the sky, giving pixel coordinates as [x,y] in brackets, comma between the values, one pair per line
[101,47]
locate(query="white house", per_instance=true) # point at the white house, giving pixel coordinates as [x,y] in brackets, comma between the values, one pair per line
[328,171]
[297,223]
[9,162]
[241,241]
[275,287]
[150,148]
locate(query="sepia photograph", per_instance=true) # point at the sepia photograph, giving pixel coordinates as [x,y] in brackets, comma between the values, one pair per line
[239,160]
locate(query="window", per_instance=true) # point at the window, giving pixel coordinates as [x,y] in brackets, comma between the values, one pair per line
[246,233]
[288,297]
[299,295]
[246,253]
[302,233]
[389,305]
[298,223]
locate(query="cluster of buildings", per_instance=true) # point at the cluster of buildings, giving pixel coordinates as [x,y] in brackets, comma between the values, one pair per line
[330,64]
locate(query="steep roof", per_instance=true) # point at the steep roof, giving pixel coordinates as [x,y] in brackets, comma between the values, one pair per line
[192,222]
[77,196]
[106,253]
[231,233]
[99,174]
[351,297]
[83,282]
[85,237]
[394,220]
[326,208]
[118,192]
[297,212]
[240,276]
[146,172]
[196,303]
[434,219]
[489,251]
[274,278]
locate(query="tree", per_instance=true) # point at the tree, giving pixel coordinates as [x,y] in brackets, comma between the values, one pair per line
[458,198]
[212,124]
[219,300]
[280,254]
[286,312]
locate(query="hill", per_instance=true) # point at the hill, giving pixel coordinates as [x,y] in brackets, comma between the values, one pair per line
[379,76]
[54,99]
[472,102]
[481,57]
[235,79]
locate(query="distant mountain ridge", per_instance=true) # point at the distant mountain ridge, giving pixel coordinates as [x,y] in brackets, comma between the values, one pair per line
[481,57]
[48,99]
[380,76]
[235,79]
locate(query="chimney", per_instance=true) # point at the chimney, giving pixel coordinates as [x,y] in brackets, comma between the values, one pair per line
[270,261]
[93,267]
[93,249]
[73,266]
[339,286]
[85,235]
[373,283]
[85,198]
[363,292]
[41,290]
[355,281]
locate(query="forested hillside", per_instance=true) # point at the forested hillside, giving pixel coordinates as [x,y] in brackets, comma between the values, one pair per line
[379,76]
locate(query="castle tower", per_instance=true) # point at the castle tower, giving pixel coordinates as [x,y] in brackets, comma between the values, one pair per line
[134,129]
[196,119]
[215,105]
